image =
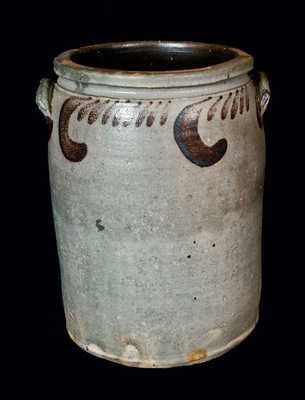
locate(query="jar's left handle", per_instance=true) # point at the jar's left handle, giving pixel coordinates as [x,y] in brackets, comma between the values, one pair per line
[44,97]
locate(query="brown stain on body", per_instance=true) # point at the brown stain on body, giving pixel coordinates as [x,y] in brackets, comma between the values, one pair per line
[197,355]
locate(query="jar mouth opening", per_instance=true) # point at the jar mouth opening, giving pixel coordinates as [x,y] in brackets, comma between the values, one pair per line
[152,63]
[152,56]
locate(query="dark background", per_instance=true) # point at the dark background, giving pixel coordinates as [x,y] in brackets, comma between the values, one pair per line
[267,356]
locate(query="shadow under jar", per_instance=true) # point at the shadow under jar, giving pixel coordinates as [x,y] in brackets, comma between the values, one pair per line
[156,158]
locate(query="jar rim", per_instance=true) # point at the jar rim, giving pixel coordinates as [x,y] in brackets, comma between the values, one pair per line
[152,64]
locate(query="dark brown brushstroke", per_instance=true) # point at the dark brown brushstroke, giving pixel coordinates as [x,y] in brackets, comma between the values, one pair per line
[94,113]
[83,111]
[190,143]
[213,109]
[247,99]
[225,107]
[118,115]
[71,150]
[150,119]
[258,111]
[163,118]
[152,115]
[116,119]
[107,113]
[241,101]
[234,107]
[164,114]
[142,114]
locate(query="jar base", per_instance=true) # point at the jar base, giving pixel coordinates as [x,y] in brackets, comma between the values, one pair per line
[96,351]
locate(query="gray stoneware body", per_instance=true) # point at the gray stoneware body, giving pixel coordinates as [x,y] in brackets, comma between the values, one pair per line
[157,187]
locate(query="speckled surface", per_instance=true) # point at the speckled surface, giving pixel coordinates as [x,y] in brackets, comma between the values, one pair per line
[160,258]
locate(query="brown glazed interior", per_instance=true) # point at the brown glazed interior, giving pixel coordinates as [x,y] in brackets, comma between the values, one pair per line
[150,65]
[156,56]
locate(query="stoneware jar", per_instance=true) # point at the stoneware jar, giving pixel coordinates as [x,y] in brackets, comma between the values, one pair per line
[156,158]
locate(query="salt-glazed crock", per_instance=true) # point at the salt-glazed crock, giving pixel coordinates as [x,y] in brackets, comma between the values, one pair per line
[156,157]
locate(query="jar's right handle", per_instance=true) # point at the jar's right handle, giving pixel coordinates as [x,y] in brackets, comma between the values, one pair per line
[263,91]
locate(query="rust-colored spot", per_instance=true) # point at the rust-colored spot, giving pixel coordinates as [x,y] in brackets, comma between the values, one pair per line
[189,141]
[73,151]
[163,119]
[197,355]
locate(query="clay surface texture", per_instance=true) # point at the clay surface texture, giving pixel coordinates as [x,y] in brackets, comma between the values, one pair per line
[157,192]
